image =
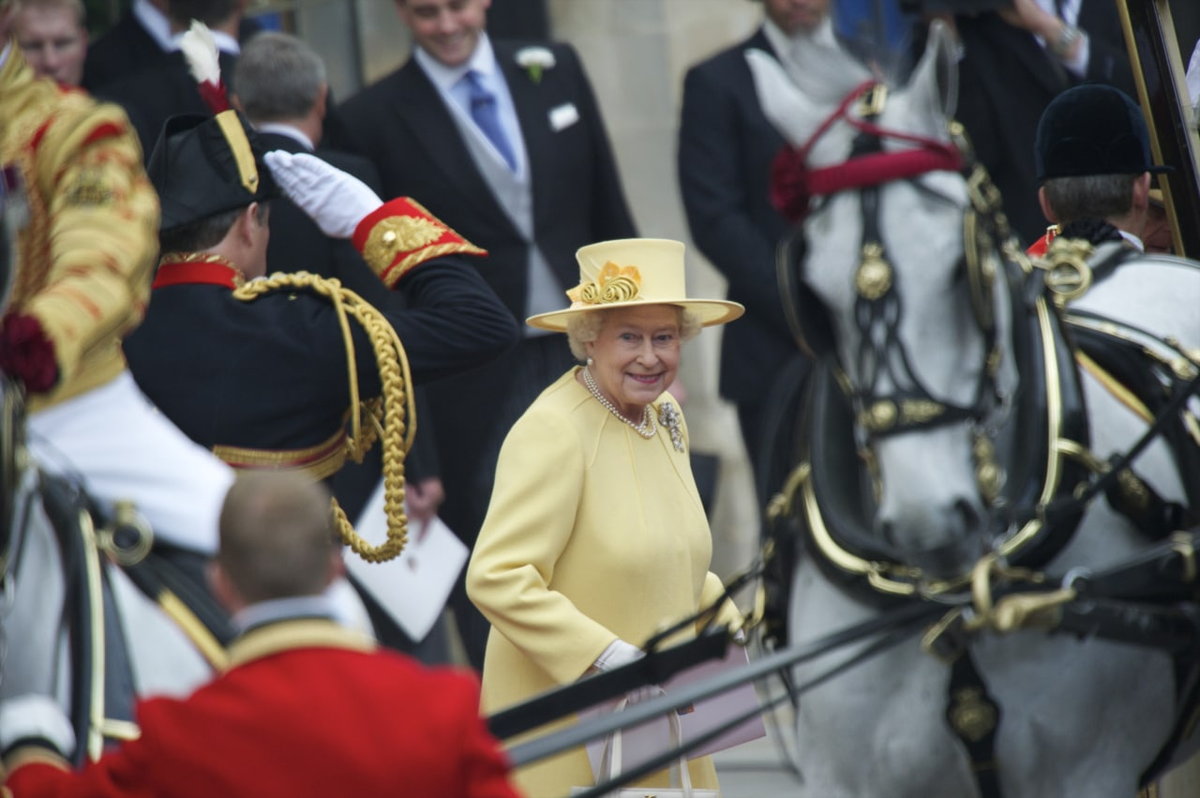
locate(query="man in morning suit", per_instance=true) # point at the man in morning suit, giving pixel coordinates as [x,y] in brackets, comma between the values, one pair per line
[726,146]
[1014,62]
[507,144]
[306,708]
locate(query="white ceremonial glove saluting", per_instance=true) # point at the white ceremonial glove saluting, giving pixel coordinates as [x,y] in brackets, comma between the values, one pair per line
[336,201]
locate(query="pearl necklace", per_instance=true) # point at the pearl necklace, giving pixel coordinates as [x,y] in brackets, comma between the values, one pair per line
[646,429]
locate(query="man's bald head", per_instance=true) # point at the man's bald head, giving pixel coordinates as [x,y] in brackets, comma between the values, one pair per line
[277,538]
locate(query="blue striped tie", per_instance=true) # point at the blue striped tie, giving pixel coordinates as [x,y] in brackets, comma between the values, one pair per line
[487,117]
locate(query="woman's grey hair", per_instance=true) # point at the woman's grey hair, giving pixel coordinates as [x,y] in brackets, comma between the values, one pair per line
[277,77]
[584,328]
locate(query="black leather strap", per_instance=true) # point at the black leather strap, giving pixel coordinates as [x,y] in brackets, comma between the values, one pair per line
[974,717]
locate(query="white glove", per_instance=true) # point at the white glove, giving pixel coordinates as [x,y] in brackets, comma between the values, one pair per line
[34,716]
[617,654]
[336,201]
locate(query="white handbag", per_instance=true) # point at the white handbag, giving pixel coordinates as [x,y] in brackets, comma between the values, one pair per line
[611,768]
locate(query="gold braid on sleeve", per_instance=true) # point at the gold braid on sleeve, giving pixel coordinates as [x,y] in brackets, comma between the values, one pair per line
[386,416]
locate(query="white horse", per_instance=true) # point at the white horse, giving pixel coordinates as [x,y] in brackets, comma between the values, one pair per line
[950,436]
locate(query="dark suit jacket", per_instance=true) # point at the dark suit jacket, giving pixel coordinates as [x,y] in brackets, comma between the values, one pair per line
[402,125]
[154,95]
[127,49]
[1006,80]
[726,146]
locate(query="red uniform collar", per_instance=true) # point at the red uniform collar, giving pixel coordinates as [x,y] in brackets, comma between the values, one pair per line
[197,268]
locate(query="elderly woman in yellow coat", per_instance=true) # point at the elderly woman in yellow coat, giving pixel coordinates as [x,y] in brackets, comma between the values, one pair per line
[595,537]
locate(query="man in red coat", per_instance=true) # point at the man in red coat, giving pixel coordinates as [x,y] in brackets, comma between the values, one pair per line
[307,708]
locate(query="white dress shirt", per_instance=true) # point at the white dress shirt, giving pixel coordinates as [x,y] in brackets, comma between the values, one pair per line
[155,22]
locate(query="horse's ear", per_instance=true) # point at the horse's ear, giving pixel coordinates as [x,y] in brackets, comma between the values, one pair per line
[933,87]
[786,107]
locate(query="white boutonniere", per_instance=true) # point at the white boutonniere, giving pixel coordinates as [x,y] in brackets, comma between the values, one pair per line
[535,61]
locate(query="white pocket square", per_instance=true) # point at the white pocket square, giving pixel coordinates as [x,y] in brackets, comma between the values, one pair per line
[563,116]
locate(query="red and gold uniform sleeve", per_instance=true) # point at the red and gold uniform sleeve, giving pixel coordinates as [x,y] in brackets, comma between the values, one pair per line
[103,236]
[401,235]
[90,245]
[33,770]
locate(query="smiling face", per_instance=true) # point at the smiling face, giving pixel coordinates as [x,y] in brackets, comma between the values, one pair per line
[636,356]
[446,29]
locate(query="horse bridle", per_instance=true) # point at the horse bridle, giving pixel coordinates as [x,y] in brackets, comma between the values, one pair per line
[992,261]
[909,405]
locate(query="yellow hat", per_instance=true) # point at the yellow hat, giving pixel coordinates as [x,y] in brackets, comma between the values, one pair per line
[630,272]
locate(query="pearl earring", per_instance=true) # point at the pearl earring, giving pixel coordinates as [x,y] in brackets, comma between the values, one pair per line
[590,362]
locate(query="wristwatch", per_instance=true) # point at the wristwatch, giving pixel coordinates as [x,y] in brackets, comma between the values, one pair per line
[1066,40]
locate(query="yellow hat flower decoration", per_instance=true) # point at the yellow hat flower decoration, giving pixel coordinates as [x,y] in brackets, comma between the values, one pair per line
[613,284]
[658,278]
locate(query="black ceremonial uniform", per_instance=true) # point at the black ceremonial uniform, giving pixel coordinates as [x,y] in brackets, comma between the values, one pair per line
[264,382]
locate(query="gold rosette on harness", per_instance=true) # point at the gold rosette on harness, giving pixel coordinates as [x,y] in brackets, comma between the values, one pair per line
[392,417]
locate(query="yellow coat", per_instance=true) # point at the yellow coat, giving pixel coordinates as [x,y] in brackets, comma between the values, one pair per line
[593,533]
[86,257]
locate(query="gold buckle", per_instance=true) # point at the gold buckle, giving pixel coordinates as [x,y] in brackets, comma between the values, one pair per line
[125,516]
[1181,544]
[944,640]
[872,101]
[985,197]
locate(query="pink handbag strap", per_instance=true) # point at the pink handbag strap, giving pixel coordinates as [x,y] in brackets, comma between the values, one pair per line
[611,759]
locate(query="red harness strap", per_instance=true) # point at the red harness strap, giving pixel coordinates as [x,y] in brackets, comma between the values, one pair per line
[793,184]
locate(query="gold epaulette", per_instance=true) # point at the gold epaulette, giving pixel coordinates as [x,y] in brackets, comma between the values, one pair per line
[400,235]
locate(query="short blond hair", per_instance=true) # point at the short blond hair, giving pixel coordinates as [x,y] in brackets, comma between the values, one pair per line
[76,7]
[277,536]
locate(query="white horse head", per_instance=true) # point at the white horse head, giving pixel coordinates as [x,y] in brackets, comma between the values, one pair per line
[926,341]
